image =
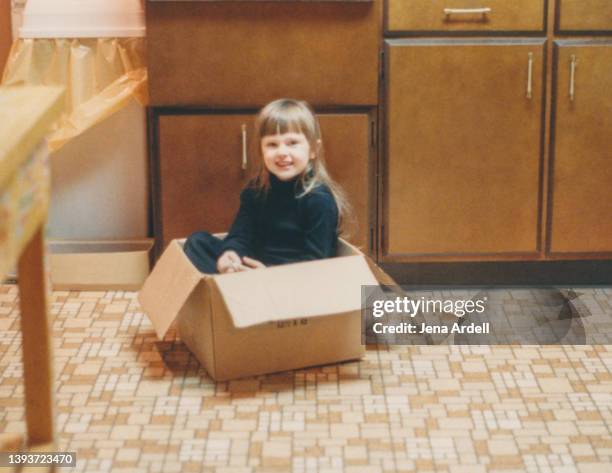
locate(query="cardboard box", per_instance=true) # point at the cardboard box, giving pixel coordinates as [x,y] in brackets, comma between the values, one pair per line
[99,265]
[263,321]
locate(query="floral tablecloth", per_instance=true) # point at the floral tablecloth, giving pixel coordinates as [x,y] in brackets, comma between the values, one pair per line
[26,115]
[23,206]
[100,76]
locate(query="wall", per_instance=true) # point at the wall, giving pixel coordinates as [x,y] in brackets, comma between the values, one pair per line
[99,181]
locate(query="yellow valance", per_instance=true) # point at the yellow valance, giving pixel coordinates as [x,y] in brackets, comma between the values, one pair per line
[100,76]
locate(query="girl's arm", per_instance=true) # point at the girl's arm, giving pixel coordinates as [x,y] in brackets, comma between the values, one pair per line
[242,232]
[320,225]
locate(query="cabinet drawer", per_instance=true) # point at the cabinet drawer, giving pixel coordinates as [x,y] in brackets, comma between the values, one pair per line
[244,54]
[465,15]
[584,15]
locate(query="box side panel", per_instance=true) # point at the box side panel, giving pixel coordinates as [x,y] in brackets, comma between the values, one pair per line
[283,345]
[299,290]
[195,327]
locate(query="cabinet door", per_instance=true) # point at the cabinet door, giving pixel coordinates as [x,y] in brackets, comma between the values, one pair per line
[464,139]
[347,148]
[201,172]
[200,169]
[581,173]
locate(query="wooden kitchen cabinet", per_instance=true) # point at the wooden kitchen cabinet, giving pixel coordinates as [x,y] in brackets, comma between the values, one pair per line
[213,64]
[464,149]
[581,172]
[245,54]
[482,156]
[198,169]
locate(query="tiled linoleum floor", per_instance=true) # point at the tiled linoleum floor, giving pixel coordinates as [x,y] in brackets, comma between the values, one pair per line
[127,403]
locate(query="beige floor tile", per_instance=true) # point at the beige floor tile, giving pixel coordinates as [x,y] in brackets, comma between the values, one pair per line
[127,402]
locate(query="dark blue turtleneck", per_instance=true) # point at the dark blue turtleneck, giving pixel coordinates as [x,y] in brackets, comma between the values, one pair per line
[279,227]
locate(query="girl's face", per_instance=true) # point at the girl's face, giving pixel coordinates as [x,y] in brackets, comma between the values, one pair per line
[286,155]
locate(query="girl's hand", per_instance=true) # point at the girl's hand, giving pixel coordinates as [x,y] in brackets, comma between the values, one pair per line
[230,262]
[252,263]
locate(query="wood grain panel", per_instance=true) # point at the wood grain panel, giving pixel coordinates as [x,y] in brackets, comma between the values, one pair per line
[37,346]
[247,53]
[201,177]
[464,148]
[5,32]
[428,15]
[581,184]
[585,15]
[200,158]
[346,142]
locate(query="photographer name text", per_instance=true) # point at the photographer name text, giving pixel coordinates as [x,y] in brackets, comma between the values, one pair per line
[423,328]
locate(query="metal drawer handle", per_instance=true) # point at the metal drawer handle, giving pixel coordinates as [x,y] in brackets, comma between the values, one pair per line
[572,84]
[466,11]
[530,76]
[244,147]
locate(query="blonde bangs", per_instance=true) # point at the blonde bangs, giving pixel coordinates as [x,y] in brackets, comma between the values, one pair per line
[286,117]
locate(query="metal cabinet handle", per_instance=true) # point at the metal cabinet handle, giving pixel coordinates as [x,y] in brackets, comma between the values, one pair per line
[466,11]
[244,147]
[572,84]
[530,76]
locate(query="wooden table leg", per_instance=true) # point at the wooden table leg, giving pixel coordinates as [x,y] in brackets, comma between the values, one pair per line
[37,346]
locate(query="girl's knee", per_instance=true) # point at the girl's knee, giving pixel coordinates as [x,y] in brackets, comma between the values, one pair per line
[193,242]
[196,237]
[202,241]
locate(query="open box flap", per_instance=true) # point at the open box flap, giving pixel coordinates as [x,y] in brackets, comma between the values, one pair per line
[168,287]
[300,290]
[382,277]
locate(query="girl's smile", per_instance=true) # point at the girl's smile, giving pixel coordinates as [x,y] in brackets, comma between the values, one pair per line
[286,155]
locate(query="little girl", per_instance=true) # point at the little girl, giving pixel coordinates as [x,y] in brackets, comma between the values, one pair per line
[291,211]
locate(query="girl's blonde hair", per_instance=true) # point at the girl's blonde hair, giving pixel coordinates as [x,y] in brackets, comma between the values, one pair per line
[296,116]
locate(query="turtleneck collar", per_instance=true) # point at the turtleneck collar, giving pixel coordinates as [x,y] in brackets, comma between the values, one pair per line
[277,185]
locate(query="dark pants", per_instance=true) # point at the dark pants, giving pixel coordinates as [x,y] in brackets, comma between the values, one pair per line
[203,250]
